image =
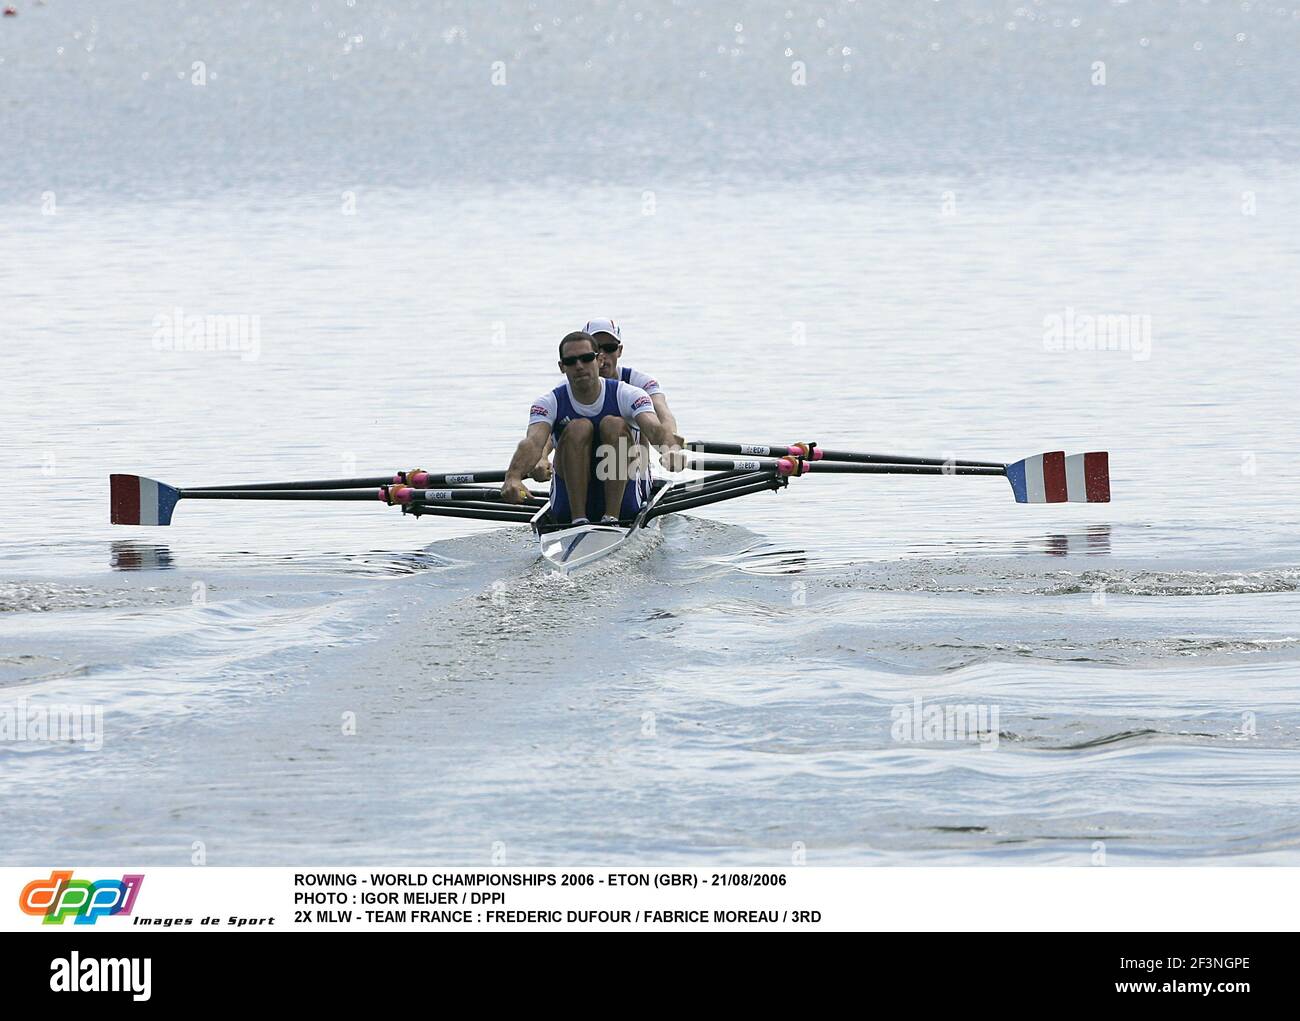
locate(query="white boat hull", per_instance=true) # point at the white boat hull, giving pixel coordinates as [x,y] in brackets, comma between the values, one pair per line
[569,549]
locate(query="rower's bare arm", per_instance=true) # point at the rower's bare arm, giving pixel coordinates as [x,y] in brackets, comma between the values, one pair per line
[524,462]
[656,432]
[665,415]
[542,473]
[674,462]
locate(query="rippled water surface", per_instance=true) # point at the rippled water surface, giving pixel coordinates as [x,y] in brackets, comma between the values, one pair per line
[873,259]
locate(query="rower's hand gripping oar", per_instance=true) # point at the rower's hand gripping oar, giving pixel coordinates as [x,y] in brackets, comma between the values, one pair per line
[514,492]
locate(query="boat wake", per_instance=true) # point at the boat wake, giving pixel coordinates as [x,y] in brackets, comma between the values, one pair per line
[992,577]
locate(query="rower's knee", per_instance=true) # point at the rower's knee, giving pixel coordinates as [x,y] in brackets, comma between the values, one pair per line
[577,432]
[612,428]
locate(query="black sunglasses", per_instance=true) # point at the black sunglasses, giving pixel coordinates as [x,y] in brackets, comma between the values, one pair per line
[609,349]
[590,356]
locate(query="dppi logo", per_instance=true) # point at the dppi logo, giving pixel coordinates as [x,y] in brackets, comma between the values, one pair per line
[60,896]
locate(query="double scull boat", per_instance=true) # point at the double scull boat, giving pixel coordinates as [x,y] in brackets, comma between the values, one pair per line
[743,469]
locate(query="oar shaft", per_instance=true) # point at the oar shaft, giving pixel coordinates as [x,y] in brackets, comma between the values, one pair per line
[848,455]
[368,495]
[819,454]
[841,468]
[301,486]
[520,515]
[710,484]
[409,478]
[747,464]
[404,494]
[743,449]
[836,468]
[760,484]
[393,494]
[526,509]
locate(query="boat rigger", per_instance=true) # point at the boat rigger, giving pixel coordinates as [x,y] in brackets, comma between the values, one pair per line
[734,470]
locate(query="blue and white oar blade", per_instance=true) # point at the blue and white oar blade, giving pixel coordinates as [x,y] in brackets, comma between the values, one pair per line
[135,500]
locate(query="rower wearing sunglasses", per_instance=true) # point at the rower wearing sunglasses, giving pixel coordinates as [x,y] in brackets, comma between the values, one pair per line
[596,425]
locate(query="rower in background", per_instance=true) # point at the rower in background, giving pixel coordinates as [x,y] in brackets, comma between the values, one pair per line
[583,415]
[609,342]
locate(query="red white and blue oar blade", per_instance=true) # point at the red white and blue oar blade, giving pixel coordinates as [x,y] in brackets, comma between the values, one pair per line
[135,500]
[1055,478]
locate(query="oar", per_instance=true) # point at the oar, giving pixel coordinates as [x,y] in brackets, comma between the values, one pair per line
[1054,477]
[135,500]
[812,452]
[797,466]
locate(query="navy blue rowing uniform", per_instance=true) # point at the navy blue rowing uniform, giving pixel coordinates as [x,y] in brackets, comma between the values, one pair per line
[619,399]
